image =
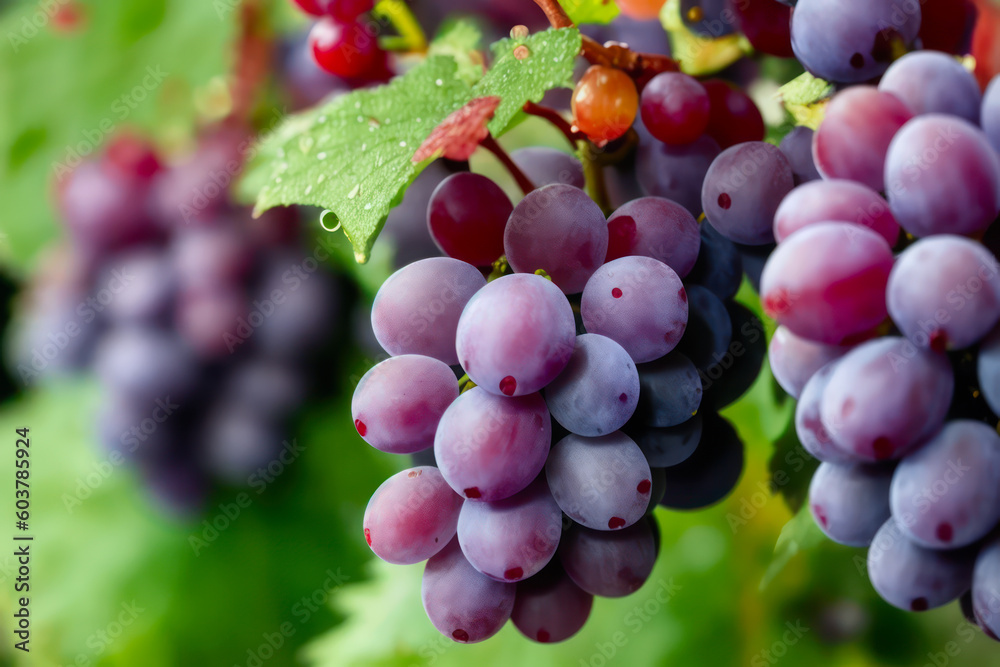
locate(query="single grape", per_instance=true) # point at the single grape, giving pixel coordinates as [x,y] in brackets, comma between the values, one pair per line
[835,200]
[398,403]
[809,428]
[944,292]
[854,137]
[988,369]
[767,26]
[639,303]
[602,483]
[709,332]
[665,447]
[946,494]
[733,117]
[209,319]
[598,390]
[146,363]
[549,607]
[913,578]
[797,147]
[549,166]
[658,228]
[605,102]
[463,604]
[827,282]
[560,230]
[212,257]
[730,376]
[490,447]
[743,189]
[610,564]
[884,396]
[516,335]
[675,108]
[676,172]
[850,41]
[417,309]
[141,286]
[711,472]
[986,589]
[719,267]
[670,392]
[794,360]
[103,208]
[466,216]
[933,82]
[514,538]
[850,502]
[942,177]
[343,48]
[411,516]
[990,113]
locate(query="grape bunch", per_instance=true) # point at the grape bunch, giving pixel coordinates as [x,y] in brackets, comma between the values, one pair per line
[889,341]
[555,376]
[204,326]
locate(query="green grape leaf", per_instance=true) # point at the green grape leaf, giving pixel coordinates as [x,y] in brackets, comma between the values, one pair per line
[354,155]
[591,11]
[806,97]
[791,468]
[460,40]
[799,534]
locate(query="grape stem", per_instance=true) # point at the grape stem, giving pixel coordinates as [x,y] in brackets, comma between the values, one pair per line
[490,144]
[411,35]
[593,172]
[637,65]
[554,117]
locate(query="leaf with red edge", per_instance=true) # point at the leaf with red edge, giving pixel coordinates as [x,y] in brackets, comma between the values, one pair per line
[458,135]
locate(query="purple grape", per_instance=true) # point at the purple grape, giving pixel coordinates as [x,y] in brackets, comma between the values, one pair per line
[986,589]
[397,404]
[946,494]
[610,564]
[675,108]
[549,607]
[514,538]
[490,447]
[466,217]
[665,447]
[598,390]
[639,303]
[797,147]
[913,578]
[850,502]
[855,135]
[236,442]
[933,82]
[140,286]
[720,265]
[711,472]
[212,257]
[850,41]
[209,320]
[146,364]
[988,369]
[944,292]
[884,396]
[835,200]
[559,229]
[709,332]
[827,282]
[942,177]
[670,392]
[602,483]
[743,189]
[676,172]
[809,426]
[296,316]
[658,228]
[464,605]
[794,360]
[990,113]
[516,335]
[730,376]
[549,166]
[103,208]
[411,516]
[417,309]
